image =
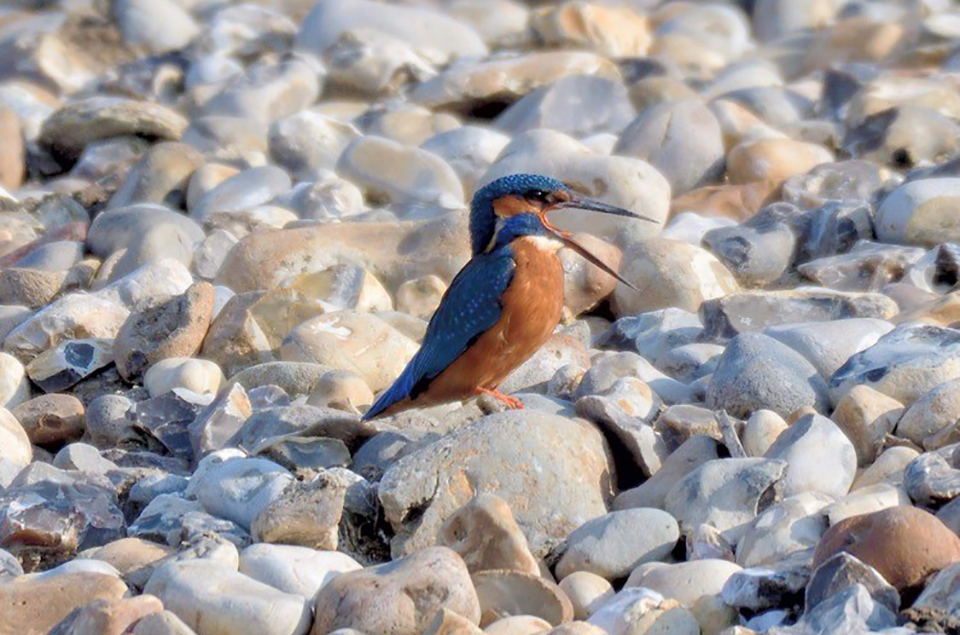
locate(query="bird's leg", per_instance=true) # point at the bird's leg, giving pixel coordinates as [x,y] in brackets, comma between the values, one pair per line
[511,402]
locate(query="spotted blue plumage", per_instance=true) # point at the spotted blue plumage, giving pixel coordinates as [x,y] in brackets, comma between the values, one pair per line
[470,307]
[482,217]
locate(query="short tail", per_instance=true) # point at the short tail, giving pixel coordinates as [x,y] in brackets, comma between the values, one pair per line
[400,391]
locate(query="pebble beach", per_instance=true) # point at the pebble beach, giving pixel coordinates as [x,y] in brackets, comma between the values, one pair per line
[225,225]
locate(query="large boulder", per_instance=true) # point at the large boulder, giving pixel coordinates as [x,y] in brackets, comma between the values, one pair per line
[552,471]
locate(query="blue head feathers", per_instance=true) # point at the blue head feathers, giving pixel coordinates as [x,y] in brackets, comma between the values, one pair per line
[482,218]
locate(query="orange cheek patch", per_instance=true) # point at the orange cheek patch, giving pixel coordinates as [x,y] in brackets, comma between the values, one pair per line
[507,206]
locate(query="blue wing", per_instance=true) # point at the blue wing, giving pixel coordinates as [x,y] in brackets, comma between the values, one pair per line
[470,307]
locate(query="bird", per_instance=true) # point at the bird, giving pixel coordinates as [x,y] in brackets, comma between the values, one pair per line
[506,301]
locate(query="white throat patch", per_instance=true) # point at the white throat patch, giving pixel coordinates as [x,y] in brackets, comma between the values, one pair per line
[545,243]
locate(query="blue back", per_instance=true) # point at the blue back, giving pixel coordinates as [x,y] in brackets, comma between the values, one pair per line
[482,218]
[469,308]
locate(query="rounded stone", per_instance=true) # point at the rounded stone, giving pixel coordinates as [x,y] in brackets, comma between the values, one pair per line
[196,375]
[756,372]
[760,431]
[681,139]
[773,160]
[904,544]
[609,547]
[922,212]
[378,599]
[587,592]
[808,445]
[931,413]
[14,442]
[14,385]
[51,419]
[668,274]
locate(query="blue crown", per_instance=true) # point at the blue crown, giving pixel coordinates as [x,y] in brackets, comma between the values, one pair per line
[482,217]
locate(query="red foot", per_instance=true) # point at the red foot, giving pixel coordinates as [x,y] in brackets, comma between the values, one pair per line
[511,402]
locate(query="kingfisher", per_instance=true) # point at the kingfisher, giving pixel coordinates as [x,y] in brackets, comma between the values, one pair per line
[506,301]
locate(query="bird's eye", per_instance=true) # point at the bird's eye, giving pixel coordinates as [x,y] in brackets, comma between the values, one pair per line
[539,195]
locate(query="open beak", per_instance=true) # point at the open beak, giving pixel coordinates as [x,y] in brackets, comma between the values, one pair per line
[593,206]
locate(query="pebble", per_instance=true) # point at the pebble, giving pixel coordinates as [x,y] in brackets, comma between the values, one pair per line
[164,329]
[867,417]
[196,375]
[726,494]
[14,385]
[378,596]
[36,606]
[51,419]
[681,139]
[807,445]
[212,597]
[601,546]
[587,592]
[904,364]
[291,569]
[306,514]
[757,372]
[389,172]
[108,617]
[670,274]
[69,362]
[485,534]
[919,213]
[931,413]
[904,544]
[760,431]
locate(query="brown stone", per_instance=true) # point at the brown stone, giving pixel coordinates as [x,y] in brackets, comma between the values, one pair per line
[171,327]
[394,252]
[132,557]
[736,202]
[866,416]
[773,160]
[33,607]
[12,165]
[905,544]
[487,537]
[108,617]
[51,419]
[400,597]
[586,285]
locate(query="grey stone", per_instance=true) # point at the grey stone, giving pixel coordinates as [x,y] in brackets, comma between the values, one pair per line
[238,489]
[572,483]
[755,590]
[933,478]
[843,571]
[682,139]
[609,547]
[758,251]
[579,105]
[792,526]
[653,492]
[757,372]
[726,493]
[906,363]
[938,607]
[69,362]
[653,334]
[243,191]
[828,345]
[751,311]
[848,612]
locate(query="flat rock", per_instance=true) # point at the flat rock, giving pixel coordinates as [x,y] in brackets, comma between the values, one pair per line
[751,311]
[904,364]
[291,569]
[69,130]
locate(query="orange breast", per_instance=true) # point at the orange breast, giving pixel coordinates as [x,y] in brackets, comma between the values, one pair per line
[532,307]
